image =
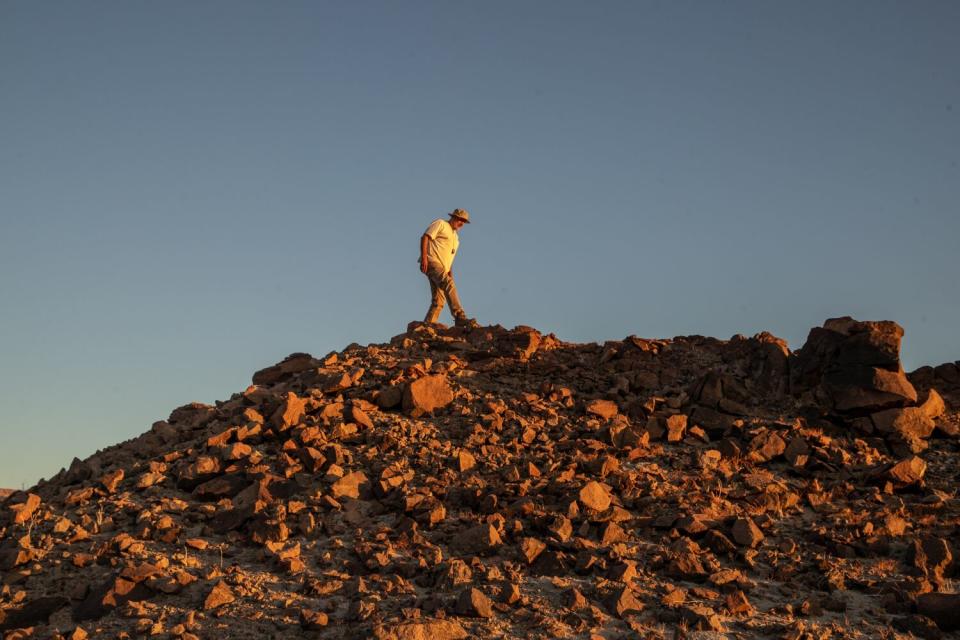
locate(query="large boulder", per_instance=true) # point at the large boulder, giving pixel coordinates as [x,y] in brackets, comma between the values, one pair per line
[854,367]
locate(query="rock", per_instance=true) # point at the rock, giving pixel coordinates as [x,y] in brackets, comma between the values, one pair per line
[530,548]
[426,395]
[766,446]
[34,612]
[908,422]
[932,557]
[103,598]
[594,497]
[676,428]
[418,629]
[472,602]
[112,480]
[218,596]
[390,397]
[746,533]
[701,618]
[478,540]
[869,388]
[737,604]
[932,406]
[24,510]
[292,364]
[942,608]
[289,412]
[352,485]
[908,471]
[313,620]
[624,602]
[855,364]
[465,461]
[605,409]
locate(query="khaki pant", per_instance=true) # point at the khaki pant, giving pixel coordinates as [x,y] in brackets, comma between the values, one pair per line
[442,289]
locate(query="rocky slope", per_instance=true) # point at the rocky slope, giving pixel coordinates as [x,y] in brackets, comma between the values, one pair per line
[502,483]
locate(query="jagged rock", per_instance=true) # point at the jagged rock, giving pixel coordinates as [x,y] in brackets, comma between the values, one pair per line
[285,369]
[24,509]
[478,540]
[474,603]
[289,412]
[352,485]
[624,602]
[426,395]
[605,409]
[908,471]
[932,556]
[746,533]
[218,596]
[530,548]
[313,620]
[593,496]
[932,405]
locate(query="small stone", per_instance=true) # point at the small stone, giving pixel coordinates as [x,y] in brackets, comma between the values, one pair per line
[594,496]
[746,533]
[478,540]
[908,471]
[605,409]
[426,395]
[351,485]
[220,595]
[465,461]
[623,603]
[676,428]
[473,602]
[313,620]
[530,548]
[701,618]
[737,604]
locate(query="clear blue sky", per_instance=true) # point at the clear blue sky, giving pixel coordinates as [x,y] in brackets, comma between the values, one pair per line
[189,191]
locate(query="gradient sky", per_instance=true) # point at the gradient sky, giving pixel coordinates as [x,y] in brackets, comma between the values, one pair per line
[189,191]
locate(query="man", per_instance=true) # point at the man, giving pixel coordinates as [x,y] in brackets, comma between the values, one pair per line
[438,246]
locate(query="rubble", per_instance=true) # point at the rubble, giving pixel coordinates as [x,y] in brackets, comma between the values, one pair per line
[486,482]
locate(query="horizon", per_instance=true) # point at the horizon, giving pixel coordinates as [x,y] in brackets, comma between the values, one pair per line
[192,192]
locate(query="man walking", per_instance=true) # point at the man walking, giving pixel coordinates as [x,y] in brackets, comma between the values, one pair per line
[438,246]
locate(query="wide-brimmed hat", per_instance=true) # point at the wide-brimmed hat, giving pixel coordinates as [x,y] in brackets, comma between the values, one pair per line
[462,214]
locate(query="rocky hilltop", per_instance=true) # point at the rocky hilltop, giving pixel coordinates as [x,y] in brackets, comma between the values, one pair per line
[500,483]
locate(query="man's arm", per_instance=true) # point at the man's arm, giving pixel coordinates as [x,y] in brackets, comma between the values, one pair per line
[424,240]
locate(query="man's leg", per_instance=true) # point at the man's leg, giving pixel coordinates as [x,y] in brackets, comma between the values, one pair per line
[437,299]
[448,287]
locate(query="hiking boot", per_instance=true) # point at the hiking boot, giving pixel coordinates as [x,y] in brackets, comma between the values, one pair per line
[469,323]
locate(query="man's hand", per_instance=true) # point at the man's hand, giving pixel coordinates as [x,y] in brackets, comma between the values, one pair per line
[423,265]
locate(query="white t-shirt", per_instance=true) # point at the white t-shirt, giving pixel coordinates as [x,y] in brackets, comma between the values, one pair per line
[443,243]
